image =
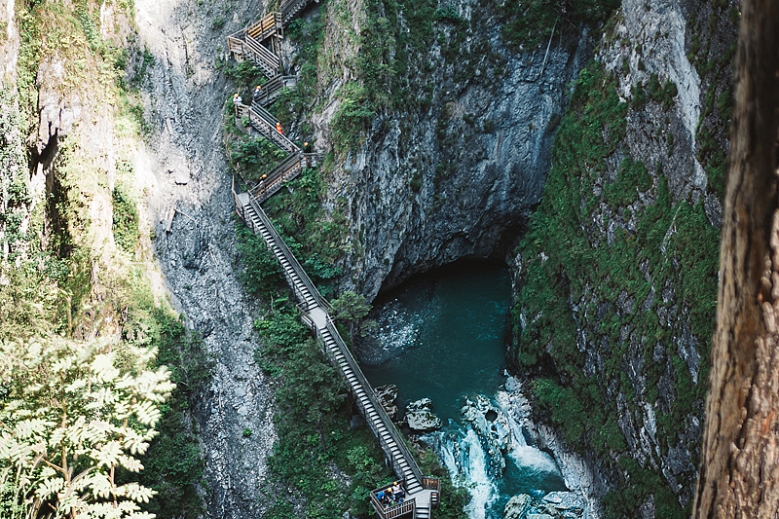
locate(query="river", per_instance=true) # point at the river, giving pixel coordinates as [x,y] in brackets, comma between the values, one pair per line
[442,336]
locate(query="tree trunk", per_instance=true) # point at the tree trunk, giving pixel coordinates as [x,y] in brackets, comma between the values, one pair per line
[739,474]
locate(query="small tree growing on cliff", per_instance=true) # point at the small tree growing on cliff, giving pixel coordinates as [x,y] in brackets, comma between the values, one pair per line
[352,309]
[72,415]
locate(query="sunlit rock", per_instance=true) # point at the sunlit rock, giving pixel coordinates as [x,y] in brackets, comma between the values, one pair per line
[517,506]
[420,417]
[387,395]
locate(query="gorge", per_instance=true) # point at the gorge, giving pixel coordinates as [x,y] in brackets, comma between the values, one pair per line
[582,145]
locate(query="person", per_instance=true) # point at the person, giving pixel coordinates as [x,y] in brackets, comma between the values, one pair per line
[307,150]
[257,94]
[237,102]
[398,492]
[262,182]
[278,127]
[383,498]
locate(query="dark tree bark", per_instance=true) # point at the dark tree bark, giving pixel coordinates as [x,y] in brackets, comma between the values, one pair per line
[739,472]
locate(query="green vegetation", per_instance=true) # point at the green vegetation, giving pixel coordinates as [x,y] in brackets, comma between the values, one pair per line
[314,440]
[531,21]
[351,309]
[309,35]
[712,52]
[173,466]
[62,276]
[614,278]
[317,239]
[73,416]
[124,220]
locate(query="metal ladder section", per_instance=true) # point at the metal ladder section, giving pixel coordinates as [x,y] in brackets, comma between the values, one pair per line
[304,289]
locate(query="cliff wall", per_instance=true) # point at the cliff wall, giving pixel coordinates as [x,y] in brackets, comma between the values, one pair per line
[616,279]
[616,271]
[451,166]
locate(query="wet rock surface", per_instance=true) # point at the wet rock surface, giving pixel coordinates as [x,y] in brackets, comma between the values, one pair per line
[581,476]
[491,425]
[387,395]
[453,181]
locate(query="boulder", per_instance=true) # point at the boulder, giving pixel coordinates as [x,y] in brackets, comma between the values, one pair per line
[517,506]
[492,427]
[420,417]
[387,395]
[565,502]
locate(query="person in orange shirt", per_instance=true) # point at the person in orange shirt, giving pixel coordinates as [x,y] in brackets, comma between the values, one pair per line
[278,128]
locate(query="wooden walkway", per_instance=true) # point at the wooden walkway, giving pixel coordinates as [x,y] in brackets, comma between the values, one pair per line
[258,42]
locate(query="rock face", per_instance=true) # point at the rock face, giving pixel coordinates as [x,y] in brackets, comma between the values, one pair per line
[642,343]
[517,506]
[578,472]
[453,180]
[493,429]
[555,505]
[185,159]
[420,416]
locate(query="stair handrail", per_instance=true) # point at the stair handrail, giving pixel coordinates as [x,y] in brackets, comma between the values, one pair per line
[408,506]
[271,61]
[289,169]
[294,264]
[289,8]
[266,126]
[272,87]
[267,25]
[382,413]
[264,114]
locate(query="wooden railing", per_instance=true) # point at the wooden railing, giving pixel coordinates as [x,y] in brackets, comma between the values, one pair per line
[268,62]
[433,484]
[406,507]
[271,90]
[264,122]
[235,46]
[266,26]
[287,170]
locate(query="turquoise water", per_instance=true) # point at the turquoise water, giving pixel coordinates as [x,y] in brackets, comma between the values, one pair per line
[445,335]
[442,336]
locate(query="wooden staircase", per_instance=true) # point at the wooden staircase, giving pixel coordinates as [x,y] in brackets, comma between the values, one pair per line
[287,170]
[271,90]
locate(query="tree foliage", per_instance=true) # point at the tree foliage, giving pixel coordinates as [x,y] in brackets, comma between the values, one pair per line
[73,415]
[352,309]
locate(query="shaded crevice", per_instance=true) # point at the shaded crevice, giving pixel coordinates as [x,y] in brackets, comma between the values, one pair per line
[45,157]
